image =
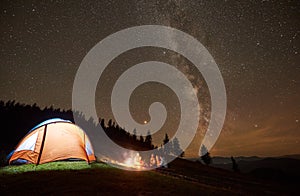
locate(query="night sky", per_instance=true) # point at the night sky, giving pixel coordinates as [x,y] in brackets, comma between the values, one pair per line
[255,44]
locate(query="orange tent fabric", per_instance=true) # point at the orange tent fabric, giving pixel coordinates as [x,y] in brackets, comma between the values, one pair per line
[58,140]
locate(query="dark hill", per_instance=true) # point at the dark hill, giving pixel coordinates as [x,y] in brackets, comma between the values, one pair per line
[183,177]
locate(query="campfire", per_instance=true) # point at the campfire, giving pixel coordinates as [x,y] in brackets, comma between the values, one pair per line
[135,162]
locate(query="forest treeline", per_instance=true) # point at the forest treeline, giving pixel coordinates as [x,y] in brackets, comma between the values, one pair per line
[17,119]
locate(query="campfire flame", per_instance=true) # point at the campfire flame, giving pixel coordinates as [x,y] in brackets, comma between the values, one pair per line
[136,162]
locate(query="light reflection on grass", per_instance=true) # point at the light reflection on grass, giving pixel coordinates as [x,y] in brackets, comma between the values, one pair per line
[59,165]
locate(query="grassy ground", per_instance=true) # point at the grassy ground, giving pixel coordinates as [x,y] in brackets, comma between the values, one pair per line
[18,169]
[81,178]
[182,178]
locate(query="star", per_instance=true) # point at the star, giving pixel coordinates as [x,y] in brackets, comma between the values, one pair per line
[254,46]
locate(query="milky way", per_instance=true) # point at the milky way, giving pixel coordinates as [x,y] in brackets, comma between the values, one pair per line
[255,44]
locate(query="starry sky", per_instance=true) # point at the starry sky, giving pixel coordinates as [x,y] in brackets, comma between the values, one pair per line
[254,43]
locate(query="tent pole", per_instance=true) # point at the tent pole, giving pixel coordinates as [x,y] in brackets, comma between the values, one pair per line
[87,156]
[42,146]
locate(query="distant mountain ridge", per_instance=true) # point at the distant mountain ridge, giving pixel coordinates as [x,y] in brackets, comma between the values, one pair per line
[292,156]
[284,168]
[227,160]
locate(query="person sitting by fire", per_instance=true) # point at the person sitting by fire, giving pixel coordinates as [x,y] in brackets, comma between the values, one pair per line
[152,161]
[163,163]
[158,163]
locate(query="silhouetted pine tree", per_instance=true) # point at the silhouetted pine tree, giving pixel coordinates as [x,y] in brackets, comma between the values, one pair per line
[134,134]
[148,140]
[109,123]
[141,139]
[166,140]
[102,123]
[176,148]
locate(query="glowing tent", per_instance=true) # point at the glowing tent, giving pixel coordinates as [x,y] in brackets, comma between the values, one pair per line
[53,140]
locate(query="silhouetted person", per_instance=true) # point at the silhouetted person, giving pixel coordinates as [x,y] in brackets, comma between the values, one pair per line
[235,166]
[205,155]
[167,145]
